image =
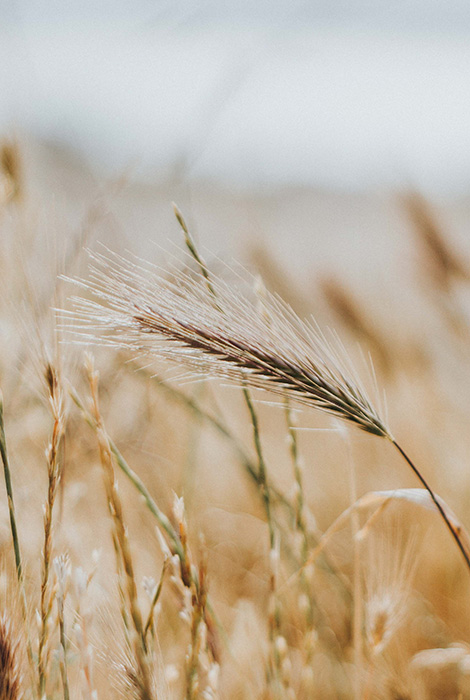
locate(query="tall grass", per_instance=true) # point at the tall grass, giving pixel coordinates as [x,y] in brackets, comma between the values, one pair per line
[204,324]
[299,560]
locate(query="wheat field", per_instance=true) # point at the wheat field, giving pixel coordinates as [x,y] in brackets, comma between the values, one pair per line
[208,495]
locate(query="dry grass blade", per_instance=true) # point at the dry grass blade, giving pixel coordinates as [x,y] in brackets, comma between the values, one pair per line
[420,498]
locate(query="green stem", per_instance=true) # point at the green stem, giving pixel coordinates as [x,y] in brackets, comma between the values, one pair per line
[9,490]
[262,474]
[14,535]
[135,479]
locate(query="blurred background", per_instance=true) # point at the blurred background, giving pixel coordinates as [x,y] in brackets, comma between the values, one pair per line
[348,95]
[290,125]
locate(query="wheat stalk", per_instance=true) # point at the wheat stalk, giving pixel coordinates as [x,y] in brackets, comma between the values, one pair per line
[178,320]
[54,473]
[216,331]
[121,541]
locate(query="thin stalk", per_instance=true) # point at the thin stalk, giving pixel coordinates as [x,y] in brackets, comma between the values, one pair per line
[441,510]
[9,490]
[357,587]
[149,502]
[162,519]
[251,468]
[191,246]
[63,665]
[299,501]
[14,535]
[262,475]
[149,623]
[142,489]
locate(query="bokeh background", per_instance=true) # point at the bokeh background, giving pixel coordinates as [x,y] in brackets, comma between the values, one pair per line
[349,95]
[294,123]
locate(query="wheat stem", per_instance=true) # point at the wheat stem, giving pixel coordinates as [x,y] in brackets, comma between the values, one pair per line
[262,478]
[439,507]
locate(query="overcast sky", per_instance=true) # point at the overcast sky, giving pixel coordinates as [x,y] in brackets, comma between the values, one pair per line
[419,15]
[350,94]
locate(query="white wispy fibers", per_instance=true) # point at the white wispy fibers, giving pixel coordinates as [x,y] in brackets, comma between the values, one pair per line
[205,324]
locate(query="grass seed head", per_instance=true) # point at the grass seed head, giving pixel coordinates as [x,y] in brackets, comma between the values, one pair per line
[179,320]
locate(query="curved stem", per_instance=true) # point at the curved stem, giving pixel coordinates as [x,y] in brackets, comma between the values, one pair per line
[453,531]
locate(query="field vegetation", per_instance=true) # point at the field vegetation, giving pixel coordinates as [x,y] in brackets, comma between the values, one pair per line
[208,495]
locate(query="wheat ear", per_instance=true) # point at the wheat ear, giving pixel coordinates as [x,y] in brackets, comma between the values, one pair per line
[269,348]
